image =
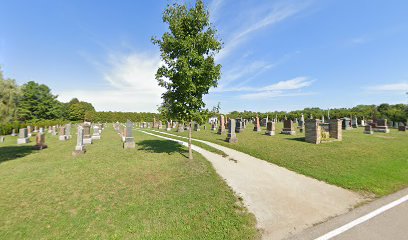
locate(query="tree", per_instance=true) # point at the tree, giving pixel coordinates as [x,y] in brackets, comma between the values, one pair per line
[78,111]
[189,68]
[9,94]
[37,102]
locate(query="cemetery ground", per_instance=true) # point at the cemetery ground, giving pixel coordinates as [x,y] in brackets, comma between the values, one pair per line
[150,192]
[373,165]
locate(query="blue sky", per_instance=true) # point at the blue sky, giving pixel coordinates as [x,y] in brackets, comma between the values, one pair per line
[277,55]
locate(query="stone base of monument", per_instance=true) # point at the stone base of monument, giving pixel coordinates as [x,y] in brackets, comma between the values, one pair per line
[180,129]
[257,129]
[270,133]
[347,128]
[368,132]
[129,143]
[288,132]
[96,137]
[29,135]
[400,128]
[13,135]
[40,147]
[23,140]
[62,138]
[239,130]
[79,150]
[381,129]
[168,129]
[87,140]
[232,138]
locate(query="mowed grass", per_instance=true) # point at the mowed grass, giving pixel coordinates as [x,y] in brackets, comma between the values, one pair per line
[151,192]
[373,164]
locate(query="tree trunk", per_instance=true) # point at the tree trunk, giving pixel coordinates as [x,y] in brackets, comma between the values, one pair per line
[190,151]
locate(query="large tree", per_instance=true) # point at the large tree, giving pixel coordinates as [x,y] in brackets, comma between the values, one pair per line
[189,68]
[9,93]
[78,110]
[37,102]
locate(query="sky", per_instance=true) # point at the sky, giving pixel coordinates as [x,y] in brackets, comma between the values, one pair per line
[277,55]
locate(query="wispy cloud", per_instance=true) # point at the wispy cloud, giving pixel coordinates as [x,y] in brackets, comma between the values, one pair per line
[278,13]
[291,87]
[214,8]
[131,81]
[391,87]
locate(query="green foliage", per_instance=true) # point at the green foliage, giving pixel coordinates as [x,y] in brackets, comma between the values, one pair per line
[188,50]
[79,110]
[9,94]
[37,102]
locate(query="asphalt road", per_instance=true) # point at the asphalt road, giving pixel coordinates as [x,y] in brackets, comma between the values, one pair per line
[390,224]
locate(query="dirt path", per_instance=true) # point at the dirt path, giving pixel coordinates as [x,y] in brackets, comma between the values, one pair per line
[283,202]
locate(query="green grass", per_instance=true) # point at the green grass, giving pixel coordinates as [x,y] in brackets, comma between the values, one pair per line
[151,192]
[197,143]
[375,164]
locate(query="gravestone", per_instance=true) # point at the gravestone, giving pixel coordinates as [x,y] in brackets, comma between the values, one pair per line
[301,124]
[381,126]
[363,123]
[168,128]
[68,131]
[221,128]
[402,128]
[231,137]
[40,141]
[54,130]
[257,127]
[313,131]
[346,123]
[96,134]
[13,132]
[49,129]
[335,129]
[129,139]
[288,128]
[239,126]
[80,146]
[41,130]
[35,129]
[87,133]
[355,122]
[29,131]
[196,127]
[180,127]
[368,129]
[213,126]
[61,134]
[2,139]
[23,136]
[396,125]
[270,128]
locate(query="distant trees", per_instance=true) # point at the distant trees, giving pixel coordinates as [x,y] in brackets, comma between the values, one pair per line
[189,68]
[9,95]
[79,110]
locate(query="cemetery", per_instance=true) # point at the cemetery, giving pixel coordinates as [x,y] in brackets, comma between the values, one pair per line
[196,136]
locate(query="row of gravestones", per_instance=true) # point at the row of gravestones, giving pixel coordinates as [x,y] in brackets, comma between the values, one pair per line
[126,133]
[84,136]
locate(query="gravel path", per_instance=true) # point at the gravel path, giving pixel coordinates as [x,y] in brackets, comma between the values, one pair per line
[283,202]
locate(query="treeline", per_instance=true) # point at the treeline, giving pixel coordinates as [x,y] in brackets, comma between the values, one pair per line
[396,113]
[122,116]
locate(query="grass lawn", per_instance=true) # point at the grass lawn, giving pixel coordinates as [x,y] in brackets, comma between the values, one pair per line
[374,164]
[151,192]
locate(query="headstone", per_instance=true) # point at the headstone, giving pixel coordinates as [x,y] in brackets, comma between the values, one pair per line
[288,128]
[35,129]
[335,129]
[402,128]
[80,146]
[129,139]
[231,137]
[2,139]
[40,141]
[381,126]
[301,124]
[239,126]
[257,127]
[355,122]
[180,127]
[87,133]
[396,125]
[270,128]
[313,131]
[346,123]
[49,129]
[96,134]
[368,129]
[13,132]
[61,134]
[41,130]
[68,131]
[23,136]
[54,130]
[196,127]
[221,128]
[29,131]
[213,126]
[168,128]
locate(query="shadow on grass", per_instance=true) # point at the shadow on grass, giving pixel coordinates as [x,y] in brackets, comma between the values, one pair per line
[162,146]
[299,139]
[14,152]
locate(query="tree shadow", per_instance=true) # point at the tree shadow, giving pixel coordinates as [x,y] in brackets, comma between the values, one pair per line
[14,152]
[162,146]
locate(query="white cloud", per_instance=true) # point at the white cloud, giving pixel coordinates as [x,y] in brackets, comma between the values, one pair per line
[132,82]
[295,83]
[392,87]
[277,14]
[214,9]
[272,94]
[240,71]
